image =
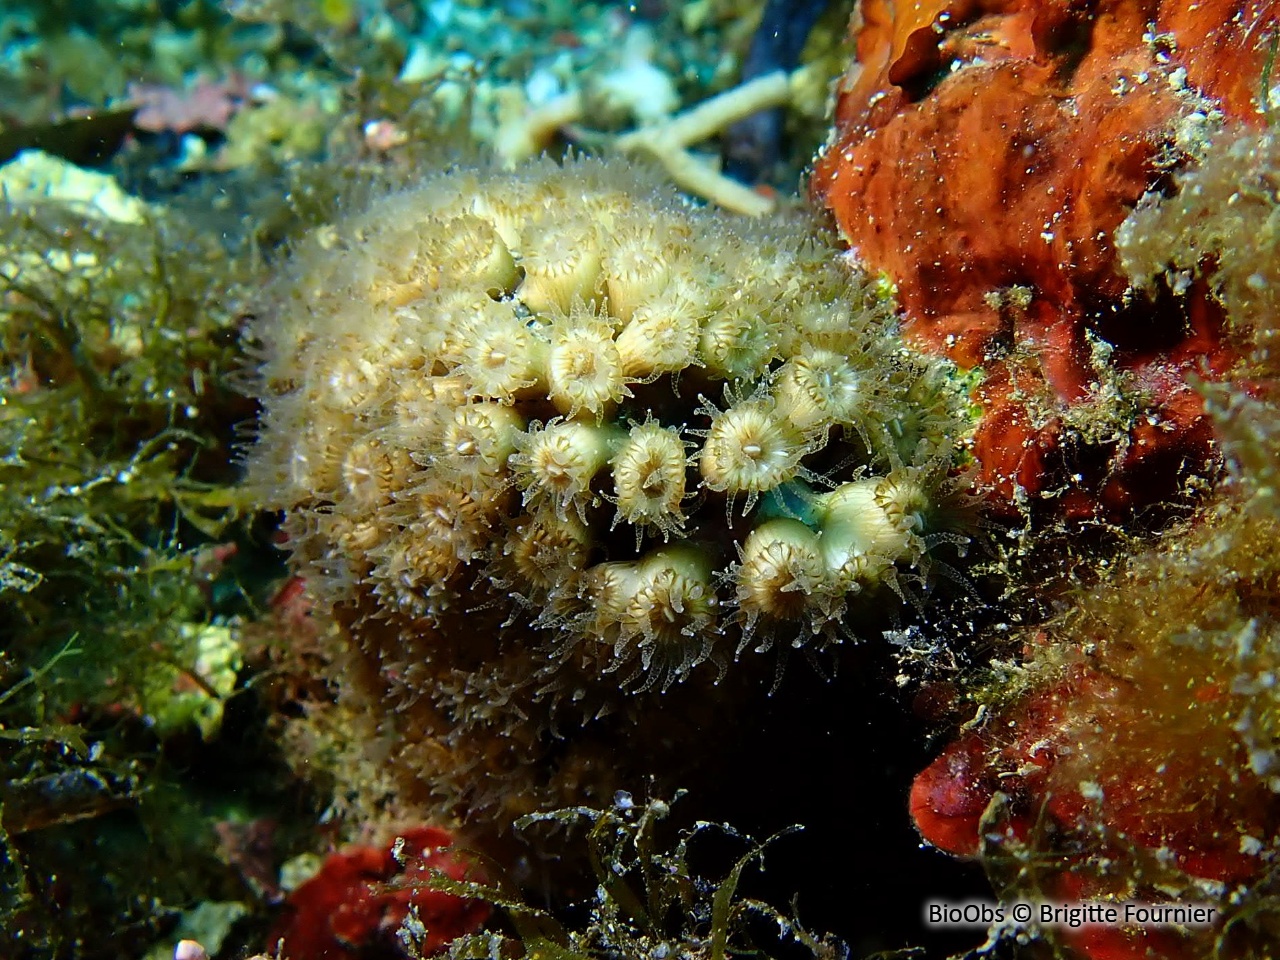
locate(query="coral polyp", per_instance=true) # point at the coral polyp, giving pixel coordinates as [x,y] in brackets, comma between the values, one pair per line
[749,448]
[665,612]
[649,475]
[552,442]
[781,575]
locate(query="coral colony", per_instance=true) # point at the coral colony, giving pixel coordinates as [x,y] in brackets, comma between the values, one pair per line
[570,467]
[552,441]
[555,448]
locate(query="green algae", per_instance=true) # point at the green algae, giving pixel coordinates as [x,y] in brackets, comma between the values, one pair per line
[648,901]
[118,352]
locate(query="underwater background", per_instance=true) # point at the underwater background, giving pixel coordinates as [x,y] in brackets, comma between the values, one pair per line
[634,480]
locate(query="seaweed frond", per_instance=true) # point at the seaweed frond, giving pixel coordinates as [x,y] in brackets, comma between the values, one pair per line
[648,901]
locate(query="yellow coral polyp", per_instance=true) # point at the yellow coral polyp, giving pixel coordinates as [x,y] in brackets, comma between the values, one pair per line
[734,344]
[354,383]
[419,403]
[668,620]
[822,324]
[473,249]
[450,515]
[661,335]
[564,267]
[413,577]
[500,353]
[547,552]
[374,469]
[669,607]
[867,526]
[649,479]
[358,537]
[750,448]
[480,438]
[314,466]
[425,561]
[556,463]
[906,499]
[608,589]
[584,370]
[819,388]
[636,271]
[781,572]
[509,215]
[447,530]
[436,325]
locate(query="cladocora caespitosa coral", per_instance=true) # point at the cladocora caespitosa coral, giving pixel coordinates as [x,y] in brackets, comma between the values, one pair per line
[554,448]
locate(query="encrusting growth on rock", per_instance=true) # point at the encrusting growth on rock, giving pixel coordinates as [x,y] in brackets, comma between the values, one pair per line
[550,441]
[1136,757]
